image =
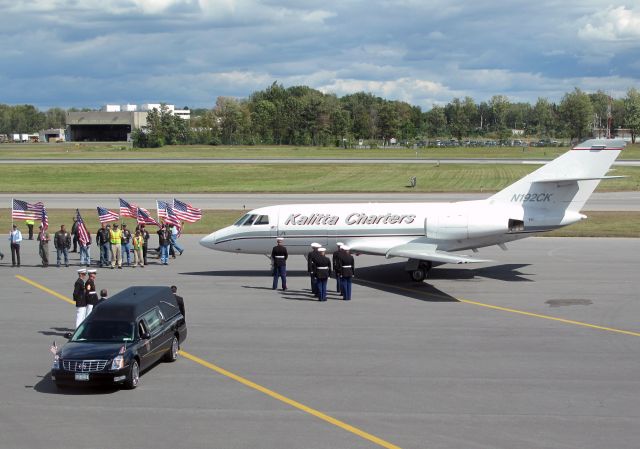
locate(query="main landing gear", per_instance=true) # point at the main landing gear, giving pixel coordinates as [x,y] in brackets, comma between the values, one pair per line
[417,269]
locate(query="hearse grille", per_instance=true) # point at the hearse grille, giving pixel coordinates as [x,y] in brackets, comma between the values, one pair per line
[84,366]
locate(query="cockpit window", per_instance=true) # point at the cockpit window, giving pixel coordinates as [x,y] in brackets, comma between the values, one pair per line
[249,221]
[262,220]
[240,220]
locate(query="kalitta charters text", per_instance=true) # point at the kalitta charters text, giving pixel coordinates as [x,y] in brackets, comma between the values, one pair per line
[351,219]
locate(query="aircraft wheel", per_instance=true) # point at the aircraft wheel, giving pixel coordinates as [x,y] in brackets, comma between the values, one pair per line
[418,275]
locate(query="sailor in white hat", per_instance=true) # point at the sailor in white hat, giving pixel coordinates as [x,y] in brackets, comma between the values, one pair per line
[279,258]
[334,260]
[346,269]
[79,298]
[311,266]
[322,272]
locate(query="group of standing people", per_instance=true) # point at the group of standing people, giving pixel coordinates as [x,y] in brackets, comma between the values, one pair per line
[117,245]
[319,268]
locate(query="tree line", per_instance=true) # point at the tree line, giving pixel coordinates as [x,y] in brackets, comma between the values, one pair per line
[300,115]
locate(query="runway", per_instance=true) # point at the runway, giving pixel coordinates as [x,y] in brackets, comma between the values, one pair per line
[605,201]
[536,350]
[628,163]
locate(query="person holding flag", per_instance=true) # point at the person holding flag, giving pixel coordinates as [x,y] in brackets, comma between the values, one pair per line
[43,246]
[138,242]
[15,238]
[84,239]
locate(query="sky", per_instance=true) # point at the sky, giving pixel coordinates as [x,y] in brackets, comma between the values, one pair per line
[87,53]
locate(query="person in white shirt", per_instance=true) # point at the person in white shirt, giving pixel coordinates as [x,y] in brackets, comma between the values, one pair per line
[15,237]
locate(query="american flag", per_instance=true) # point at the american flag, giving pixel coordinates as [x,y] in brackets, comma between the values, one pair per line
[126,209]
[171,217]
[106,216]
[44,219]
[21,210]
[142,216]
[186,212]
[162,208]
[83,234]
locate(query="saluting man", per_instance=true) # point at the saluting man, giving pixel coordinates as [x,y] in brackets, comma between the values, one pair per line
[347,270]
[311,268]
[334,260]
[322,271]
[79,297]
[279,257]
[90,292]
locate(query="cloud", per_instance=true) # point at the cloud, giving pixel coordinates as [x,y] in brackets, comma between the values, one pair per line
[81,53]
[612,25]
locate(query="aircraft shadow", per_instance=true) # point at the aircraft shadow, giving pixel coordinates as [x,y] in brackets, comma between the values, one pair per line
[244,273]
[392,278]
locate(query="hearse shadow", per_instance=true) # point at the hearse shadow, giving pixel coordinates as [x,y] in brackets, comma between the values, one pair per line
[47,386]
[56,332]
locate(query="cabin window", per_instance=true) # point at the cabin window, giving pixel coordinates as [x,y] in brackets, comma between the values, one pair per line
[262,220]
[249,221]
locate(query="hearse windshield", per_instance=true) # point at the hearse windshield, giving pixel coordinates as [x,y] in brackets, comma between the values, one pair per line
[104,331]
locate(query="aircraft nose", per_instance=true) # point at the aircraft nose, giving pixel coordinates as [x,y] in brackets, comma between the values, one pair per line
[209,241]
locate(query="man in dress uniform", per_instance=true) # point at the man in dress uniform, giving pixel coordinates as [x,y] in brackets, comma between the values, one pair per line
[79,297]
[91,295]
[347,269]
[334,260]
[322,272]
[279,257]
[43,246]
[311,266]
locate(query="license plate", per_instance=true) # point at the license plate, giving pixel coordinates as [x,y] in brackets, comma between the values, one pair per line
[82,376]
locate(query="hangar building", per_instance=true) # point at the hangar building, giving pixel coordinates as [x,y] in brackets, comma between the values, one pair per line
[102,126]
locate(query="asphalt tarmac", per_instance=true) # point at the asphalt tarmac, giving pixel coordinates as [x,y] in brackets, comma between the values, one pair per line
[538,349]
[599,201]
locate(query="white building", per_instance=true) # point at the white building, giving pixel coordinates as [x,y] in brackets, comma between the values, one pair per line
[111,108]
[129,107]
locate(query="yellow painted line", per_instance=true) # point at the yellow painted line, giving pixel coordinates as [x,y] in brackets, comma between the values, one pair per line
[45,289]
[250,384]
[291,402]
[549,317]
[507,309]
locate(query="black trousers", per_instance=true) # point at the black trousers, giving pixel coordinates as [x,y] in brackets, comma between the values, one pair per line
[144,253]
[15,253]
[30,226]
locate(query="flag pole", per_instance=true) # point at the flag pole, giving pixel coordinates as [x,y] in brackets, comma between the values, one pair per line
[12,213]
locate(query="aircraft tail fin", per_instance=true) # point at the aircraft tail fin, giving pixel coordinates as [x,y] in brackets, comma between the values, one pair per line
[567,182]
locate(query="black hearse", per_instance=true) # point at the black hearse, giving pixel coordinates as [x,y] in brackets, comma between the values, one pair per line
[123,336]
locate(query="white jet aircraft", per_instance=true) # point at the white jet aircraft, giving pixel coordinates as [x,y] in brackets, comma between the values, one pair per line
[427,233]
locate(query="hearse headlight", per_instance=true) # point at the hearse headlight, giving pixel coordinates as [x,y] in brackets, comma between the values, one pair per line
[56,362]
[117,363]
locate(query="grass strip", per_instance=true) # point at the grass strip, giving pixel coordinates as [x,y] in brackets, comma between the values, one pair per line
[599,224]
[298,178]
[124,150]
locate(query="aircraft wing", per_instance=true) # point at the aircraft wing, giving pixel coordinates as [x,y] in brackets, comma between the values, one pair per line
[420,251]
